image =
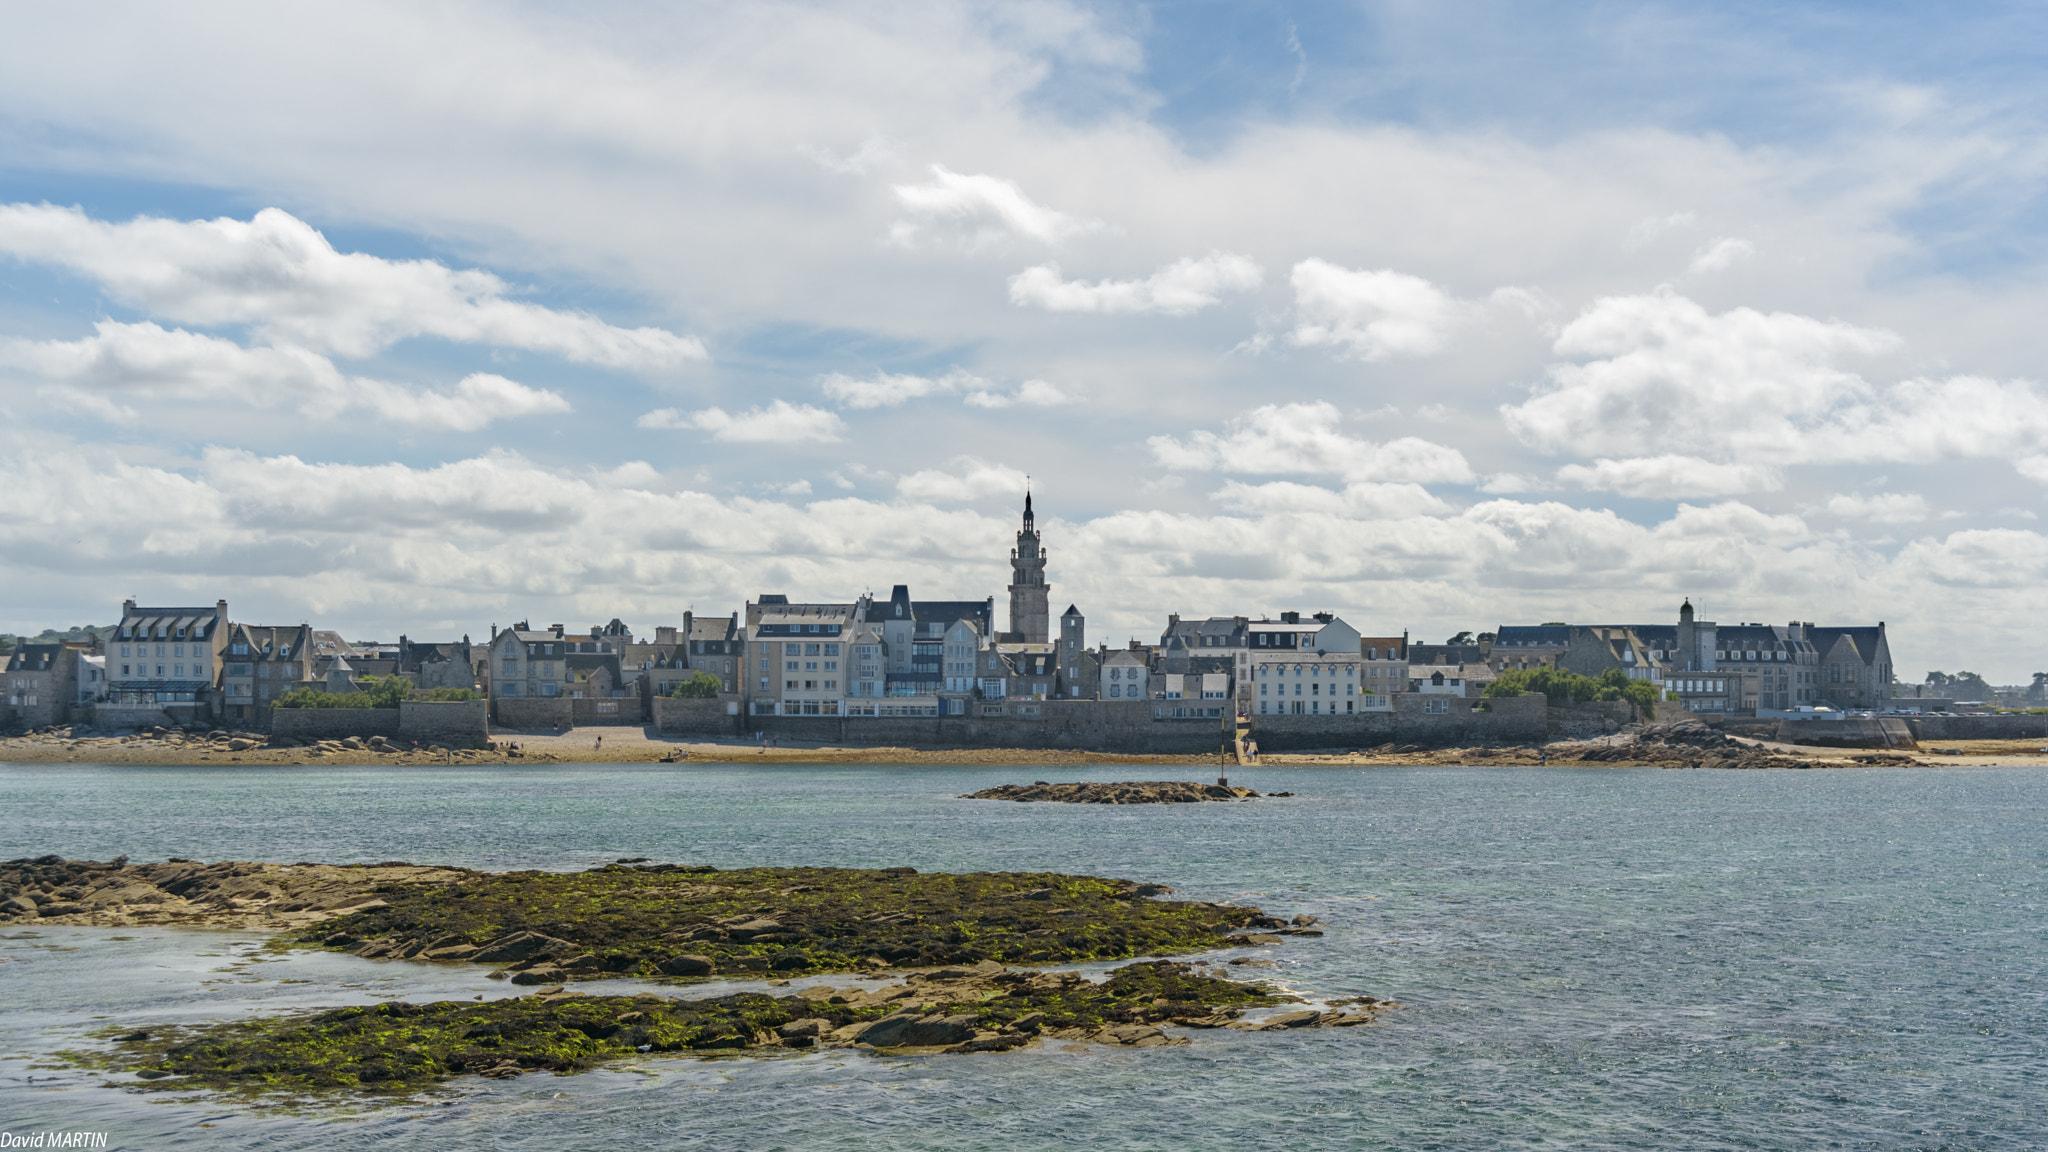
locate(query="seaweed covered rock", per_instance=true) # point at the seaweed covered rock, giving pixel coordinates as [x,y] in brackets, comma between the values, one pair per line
[1681,744]
[1142,792]
[403,1048]
[655,920]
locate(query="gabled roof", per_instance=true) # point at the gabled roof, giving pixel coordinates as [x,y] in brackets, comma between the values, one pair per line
[1866,641]
[272,642]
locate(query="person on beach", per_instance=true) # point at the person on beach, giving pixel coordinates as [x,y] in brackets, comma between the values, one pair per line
[599,746]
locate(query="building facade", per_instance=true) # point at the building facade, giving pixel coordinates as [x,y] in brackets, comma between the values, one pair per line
[167,658]
[261,663]
[528,663]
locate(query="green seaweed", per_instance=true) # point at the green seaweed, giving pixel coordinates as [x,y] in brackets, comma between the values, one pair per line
[633,920]
[398,1048]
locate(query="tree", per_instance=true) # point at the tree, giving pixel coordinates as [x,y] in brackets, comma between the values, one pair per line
[700,686]
[1486,637]
[1460,638]
[1560,686]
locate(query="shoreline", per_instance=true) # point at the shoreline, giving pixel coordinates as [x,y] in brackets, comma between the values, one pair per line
[626,746]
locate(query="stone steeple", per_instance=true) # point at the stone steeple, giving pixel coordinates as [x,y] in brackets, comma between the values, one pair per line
[1030,611]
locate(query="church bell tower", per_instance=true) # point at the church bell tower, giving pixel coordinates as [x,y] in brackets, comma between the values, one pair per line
[1030,610]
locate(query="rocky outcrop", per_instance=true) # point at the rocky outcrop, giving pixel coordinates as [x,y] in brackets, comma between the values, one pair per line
[227,894]
[979,1009]
[1681,744]
[1145,792]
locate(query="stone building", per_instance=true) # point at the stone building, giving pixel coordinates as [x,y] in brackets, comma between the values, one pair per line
[1126,672]
[428,666]
[168,659]
[259,664]
[41,683]
[1030,603]
[795,654]
[1383,665]
[527,663]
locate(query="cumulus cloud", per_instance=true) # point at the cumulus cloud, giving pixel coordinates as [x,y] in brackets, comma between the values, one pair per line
[1881,508]
[1720,254]
[2033,468]
[966,478]
[1030,394]
[779,423]
[1763,391]
[890,390]
[1670,476]
[280,275]
[1383,314]
[1308,438]
[974,212]
[122,362]
[1363,501]
[1181,288]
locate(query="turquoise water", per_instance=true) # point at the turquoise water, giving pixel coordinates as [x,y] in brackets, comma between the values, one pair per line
[1612,959]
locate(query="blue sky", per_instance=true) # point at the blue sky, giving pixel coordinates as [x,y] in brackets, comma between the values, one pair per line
[1440,316]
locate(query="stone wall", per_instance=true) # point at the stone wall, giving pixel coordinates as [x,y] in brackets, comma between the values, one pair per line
[2002,726]
[531,712]
[1592,718]
[1131,727]
[459,723]
[334,723]
[678,717]
[607,710]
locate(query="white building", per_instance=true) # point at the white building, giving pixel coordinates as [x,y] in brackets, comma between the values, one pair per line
[1310,683]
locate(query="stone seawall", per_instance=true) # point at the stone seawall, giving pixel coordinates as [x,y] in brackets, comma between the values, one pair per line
[458,723]
[1134,728]
[333,723]
[609,710]
[674,716]
[2004,726]
[533,712]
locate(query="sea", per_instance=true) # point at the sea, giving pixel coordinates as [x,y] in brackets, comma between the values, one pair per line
[1584,959]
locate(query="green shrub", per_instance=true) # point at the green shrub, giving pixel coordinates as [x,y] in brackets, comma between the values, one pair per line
[1559,685]
[384,693]
[701,686]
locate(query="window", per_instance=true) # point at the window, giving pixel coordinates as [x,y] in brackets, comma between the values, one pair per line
[810,649]
[124,670]
[831,649]
[789,685]
[1438,706]
[831,685]
[790,665]
[792,649]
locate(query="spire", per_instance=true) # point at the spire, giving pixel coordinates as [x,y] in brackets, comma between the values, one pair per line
[1027,503]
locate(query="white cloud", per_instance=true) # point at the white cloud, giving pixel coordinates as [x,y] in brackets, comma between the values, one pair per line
[1720,254]
[1767,390]
[779,422]
[1384,314]
[1363,500]
[1030,394]
[1881,508]
[888,390]
[968,479]
[2034,468]
[1182,288]
[1670,476]
[977,212]
[280,275]
[145,361]
[1372,315]
[1306,438]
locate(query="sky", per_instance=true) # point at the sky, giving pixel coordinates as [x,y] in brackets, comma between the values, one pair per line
[422,318]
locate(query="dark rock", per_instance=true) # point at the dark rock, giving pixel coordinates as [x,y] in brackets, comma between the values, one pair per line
[522,946]
[687,966]
[911,1030]
[539,976]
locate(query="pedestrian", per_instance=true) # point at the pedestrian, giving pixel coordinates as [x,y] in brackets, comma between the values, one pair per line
[599,746]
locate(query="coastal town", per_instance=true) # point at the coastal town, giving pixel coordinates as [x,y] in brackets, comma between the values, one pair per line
[950,671]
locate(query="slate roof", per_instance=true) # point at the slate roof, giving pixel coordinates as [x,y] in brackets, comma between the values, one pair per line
[198,623]
[34,658]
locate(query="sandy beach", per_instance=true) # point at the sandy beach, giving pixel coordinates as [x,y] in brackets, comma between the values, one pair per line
[623,745]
